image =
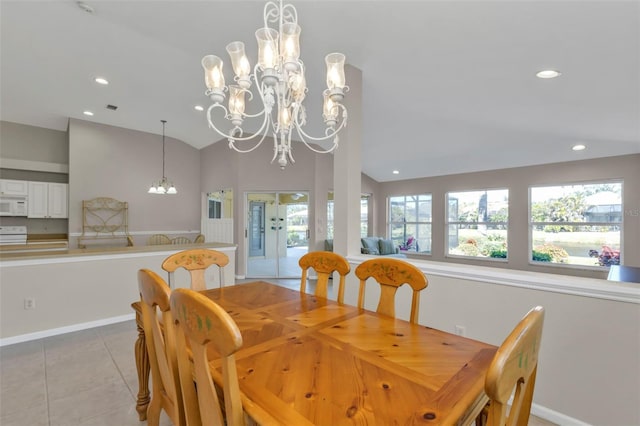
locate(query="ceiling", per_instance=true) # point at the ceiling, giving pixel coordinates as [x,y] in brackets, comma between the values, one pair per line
[448,86]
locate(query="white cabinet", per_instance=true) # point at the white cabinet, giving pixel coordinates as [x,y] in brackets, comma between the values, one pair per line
[14,187]
[48,200]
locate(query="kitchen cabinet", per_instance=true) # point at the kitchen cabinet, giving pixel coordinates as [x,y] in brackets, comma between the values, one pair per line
[48,200]
[14,187]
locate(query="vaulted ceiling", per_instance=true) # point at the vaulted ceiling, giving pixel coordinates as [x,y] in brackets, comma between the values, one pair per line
[448,86]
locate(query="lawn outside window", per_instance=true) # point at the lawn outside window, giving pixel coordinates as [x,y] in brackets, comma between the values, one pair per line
[477,224]
[576,225]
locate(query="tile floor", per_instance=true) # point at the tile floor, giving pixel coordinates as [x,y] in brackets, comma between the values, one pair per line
[52,381]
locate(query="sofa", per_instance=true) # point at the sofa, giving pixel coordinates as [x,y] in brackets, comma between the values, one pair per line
[376,246]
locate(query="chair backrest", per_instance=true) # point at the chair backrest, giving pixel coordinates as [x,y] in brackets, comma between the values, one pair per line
[324,263]
[158,239]
[166,393]
[201,322]
[196,261]
[514,368]
[180,240]
[391,273]
[199,239]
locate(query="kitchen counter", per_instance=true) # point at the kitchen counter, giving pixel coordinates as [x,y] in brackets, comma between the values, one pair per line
[40,250]
[38,242]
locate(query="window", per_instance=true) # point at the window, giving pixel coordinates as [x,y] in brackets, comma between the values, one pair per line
[330,207]
[410,222]
[219,204]
[215,209]
[477,223]
[576,224]
[364,215]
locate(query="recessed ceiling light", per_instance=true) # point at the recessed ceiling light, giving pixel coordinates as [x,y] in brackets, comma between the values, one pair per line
[89,113]
[578,147]
[198,108]
[85,7]
[396,172]
[101,80]
[548,74]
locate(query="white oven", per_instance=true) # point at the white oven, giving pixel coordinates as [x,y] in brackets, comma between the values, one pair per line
[13,235]
[13,205]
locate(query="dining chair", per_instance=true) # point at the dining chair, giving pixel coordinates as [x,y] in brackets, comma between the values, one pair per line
[391,273]
[158,239]
[180,240]
[513,372]
[166,393]
[325,263]
[199,239]
[200,322]
[196,261]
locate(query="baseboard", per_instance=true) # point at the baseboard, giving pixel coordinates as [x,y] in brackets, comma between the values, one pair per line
[67,329]
[555,417]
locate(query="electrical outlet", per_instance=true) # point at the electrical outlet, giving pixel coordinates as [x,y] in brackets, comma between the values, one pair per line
[29,303]
[460,330]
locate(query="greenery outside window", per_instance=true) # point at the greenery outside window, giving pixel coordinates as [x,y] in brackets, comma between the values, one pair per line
[410,222]
[576,224]
[477,223]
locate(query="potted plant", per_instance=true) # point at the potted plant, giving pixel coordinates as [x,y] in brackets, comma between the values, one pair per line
[408,245]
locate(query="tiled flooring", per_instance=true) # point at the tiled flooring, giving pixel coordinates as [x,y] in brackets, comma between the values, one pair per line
[84,378]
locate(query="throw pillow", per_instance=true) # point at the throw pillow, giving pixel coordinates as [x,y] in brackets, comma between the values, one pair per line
[370,245]
[386,247]
[328,245]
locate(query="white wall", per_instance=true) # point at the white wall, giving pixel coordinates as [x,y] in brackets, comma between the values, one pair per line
[75,289]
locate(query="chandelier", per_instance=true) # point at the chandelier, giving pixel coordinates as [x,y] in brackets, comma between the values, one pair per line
[163,186]
[281,87]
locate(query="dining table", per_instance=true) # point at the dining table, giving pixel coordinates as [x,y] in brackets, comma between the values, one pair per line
[307,360]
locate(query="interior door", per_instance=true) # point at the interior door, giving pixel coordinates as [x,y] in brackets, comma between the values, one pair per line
[256,228]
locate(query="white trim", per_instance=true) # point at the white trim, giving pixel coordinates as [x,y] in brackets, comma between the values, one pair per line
[555,416]
[118,234]
[587,287]
[66,329]
[53,257]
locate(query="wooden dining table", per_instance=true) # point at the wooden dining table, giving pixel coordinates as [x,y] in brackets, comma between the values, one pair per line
[306,360]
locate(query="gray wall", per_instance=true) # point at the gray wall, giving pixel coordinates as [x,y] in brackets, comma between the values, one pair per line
[253,172]
[518,180]
[108,161]
[30,143]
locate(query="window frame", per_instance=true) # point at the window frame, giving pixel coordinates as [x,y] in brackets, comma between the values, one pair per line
[457,223]
[531,225]
[415,223]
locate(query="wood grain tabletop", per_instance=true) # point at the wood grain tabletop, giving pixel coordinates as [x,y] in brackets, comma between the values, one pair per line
[308,360]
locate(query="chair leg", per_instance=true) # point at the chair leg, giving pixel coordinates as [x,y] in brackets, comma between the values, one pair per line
[153,412]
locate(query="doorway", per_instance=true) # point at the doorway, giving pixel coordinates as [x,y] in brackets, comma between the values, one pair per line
[277,233]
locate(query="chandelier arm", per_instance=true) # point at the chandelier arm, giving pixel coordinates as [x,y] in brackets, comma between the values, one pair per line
[231,136]
[275,147]
[271,13]
[343,124]
[289,150]
[233,146]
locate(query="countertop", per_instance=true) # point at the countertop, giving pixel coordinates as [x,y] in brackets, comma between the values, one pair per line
[97,251]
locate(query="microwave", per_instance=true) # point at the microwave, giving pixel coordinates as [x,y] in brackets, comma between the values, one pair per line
[13,205]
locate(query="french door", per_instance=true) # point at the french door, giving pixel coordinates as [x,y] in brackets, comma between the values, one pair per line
[277,233]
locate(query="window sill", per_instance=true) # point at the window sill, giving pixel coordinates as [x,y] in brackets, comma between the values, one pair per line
[587,287]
